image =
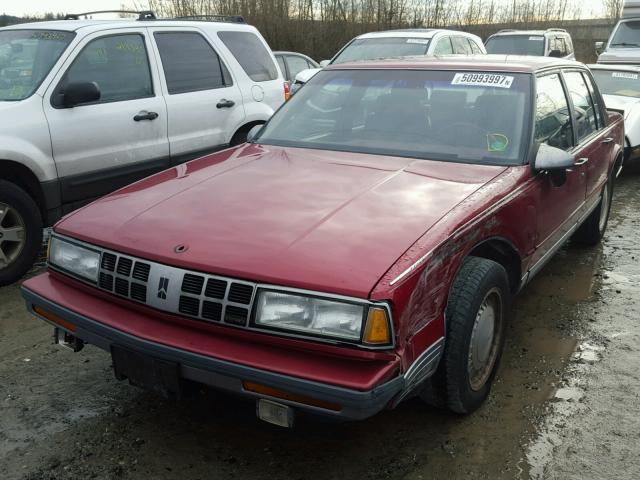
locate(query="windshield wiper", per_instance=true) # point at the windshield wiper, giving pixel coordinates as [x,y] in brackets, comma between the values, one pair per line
[625,44]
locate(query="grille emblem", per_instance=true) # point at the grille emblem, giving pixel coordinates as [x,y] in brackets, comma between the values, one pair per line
[163,286]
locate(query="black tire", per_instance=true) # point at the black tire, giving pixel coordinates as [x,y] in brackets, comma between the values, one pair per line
[478,281]
[25,209]
[241,135]
[592,229]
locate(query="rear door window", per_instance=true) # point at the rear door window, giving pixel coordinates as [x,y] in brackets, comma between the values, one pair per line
[553,119]
[584,111]
[443,47]
[251,54]
[190,63]
[474,47]
[283,68]
[296,65]
[119,64]
[461,45]
[596,100]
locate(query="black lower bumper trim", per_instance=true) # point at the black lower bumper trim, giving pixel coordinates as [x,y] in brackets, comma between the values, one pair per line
[356,405]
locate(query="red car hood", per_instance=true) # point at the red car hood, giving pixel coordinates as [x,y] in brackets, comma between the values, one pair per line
[328,221]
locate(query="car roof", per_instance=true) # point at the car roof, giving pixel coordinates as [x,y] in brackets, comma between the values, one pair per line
[613,66]
[509,32]
[410,33]
[499,63]
[91,25]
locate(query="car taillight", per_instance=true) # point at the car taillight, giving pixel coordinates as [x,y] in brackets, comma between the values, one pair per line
[287,91]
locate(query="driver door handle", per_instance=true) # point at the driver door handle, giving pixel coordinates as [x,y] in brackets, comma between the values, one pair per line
[145,116]
[607,140]
[581,161]
[224,103]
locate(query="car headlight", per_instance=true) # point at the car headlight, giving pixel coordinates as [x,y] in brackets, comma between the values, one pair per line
[310,315]
[73,258]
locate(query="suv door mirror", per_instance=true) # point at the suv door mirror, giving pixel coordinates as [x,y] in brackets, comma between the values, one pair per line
[324,63]
[80,92]
[552,158]
[251,134]
[599,47]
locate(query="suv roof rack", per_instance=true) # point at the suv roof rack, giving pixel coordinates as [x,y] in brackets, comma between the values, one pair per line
[212,18]
[556,30]
[507,30]
[142,15]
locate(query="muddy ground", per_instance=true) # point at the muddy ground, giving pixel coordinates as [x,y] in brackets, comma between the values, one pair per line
[565,404]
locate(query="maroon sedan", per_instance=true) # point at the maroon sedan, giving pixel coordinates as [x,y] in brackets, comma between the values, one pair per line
[362,248]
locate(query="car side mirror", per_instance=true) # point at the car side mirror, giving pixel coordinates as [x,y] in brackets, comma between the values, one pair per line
[556,54]
[552,158]
[555,162]
[80,92]
[253,133]
[324,63]
[599,47]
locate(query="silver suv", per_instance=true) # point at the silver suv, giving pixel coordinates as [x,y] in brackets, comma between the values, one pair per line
[552,42]
[88,106]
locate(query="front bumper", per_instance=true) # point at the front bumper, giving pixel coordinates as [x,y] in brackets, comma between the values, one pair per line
[222,374]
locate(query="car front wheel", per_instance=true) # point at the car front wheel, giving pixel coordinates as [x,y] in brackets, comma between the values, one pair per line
[20,232]
[475,323]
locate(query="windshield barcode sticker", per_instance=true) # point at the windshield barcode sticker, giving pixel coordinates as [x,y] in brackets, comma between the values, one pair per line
[422,41]
[630,76]
[482,80]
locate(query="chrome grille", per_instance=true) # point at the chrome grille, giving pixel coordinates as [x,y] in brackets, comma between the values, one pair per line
[206,297]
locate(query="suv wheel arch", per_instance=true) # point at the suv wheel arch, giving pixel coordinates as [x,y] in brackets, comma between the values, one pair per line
[240,136]
[24,178]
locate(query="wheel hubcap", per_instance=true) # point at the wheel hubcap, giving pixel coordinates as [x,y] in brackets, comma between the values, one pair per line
[12,235]
[604,208]
[485,339]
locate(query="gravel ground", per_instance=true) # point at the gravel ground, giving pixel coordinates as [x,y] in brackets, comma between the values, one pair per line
[565,404]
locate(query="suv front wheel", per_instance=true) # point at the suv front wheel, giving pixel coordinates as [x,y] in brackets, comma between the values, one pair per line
[20,232]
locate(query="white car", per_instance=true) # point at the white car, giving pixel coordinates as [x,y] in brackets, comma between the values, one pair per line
[400,43]
[88,106]
[623,46]
[620,89]
[552,42]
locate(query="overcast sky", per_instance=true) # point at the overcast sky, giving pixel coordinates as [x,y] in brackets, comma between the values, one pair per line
[32,7]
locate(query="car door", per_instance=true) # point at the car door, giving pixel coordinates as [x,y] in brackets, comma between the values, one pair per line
[559,200]
[204,103]
[108,143]
[596,152]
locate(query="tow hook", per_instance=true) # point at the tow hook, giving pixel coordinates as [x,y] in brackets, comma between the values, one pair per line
[64,338]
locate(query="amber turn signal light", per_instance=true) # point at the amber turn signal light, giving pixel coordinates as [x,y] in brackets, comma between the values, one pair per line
[377,330]
[52,317]
[293,397]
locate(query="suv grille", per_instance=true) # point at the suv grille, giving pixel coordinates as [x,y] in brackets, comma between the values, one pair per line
[174,290]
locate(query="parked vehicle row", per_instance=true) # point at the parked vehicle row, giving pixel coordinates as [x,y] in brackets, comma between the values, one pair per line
[363,248]
[89,106]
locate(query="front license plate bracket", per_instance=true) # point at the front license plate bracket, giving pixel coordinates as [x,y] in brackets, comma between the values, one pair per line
[154,374]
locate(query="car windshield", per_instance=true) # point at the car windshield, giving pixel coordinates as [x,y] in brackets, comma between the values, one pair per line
[471,117]
[382,47]
[26,56]
[627,35]
[516,45]
[622,83]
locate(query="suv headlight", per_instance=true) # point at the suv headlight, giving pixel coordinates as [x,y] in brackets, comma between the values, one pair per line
[75,259]
[331,318]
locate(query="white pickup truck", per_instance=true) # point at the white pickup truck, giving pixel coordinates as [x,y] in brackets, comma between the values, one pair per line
[623,46]
[88,106]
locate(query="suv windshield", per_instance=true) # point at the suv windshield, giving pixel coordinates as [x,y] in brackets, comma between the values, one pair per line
[472,117]
[26,56]
[382,47]
[610,82]
[516,45]
[627,35]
